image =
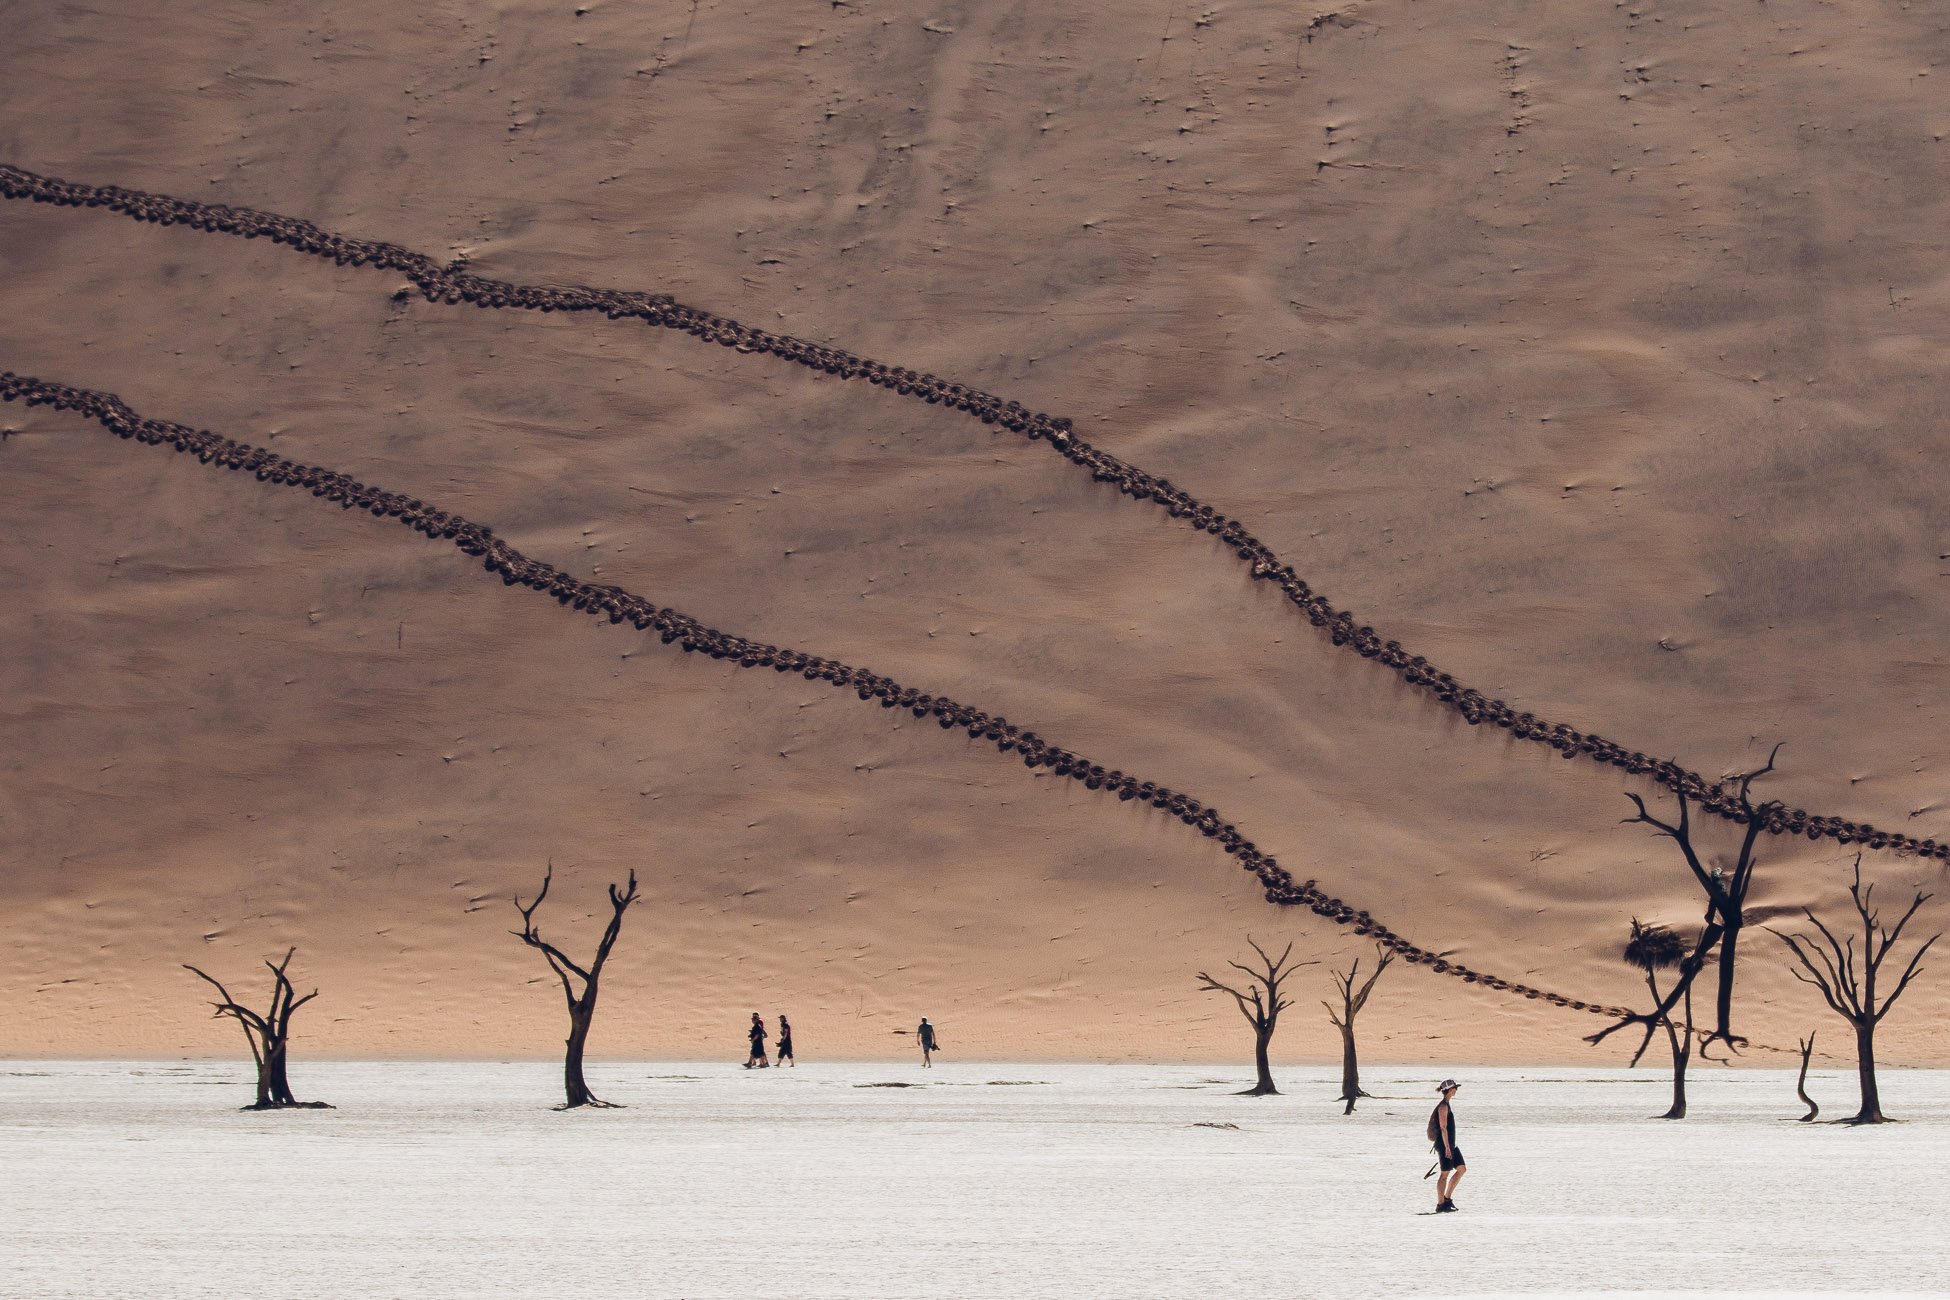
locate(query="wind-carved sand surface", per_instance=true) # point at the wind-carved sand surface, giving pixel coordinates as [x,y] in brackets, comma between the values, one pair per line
[1588,355]
[620,606]
[453,1180]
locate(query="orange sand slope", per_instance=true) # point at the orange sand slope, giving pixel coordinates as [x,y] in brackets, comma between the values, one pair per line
[1548,436]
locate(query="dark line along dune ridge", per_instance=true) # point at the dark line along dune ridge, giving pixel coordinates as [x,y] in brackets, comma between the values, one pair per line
[620,606]
[449,284]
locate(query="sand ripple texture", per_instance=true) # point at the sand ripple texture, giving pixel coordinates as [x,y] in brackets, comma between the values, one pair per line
[620,606]
[451,284]
[1016,1182]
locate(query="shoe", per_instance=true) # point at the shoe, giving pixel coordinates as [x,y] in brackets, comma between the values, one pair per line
[1446,1207]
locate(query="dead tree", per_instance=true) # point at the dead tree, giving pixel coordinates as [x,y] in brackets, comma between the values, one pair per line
[269,1034]
[1849,988]
[1801,1080]
[1726,901]
[579,985]
[1261,1006]
[1343,1020]
[1653,948]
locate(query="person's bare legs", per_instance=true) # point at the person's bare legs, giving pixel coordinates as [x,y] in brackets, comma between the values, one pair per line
[1445,1183]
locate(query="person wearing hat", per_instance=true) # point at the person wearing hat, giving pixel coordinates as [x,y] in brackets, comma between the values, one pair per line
[1442,1132]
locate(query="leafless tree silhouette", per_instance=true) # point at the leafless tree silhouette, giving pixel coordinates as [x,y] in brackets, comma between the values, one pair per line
[1653,948]
[1351,1002]
[1261,1005]
[1726,899]
[269,1034]
[579,985]
[1849,988]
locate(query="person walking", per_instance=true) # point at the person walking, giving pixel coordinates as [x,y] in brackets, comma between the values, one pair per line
[928,1046]
[785,1042]
[757,1058]
[1442,1132]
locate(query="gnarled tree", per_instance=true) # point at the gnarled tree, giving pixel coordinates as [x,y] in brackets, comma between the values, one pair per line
[1261,1005]
[1653,948]
[269,1034]
[1726,901]
[1848,983]
[580,984]
[1351,1002]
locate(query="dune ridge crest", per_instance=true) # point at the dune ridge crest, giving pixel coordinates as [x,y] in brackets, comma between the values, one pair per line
[451,285]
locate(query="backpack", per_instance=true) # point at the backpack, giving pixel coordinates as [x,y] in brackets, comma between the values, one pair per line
[1435,1125]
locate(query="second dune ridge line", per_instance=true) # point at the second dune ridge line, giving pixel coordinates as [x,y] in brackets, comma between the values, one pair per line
[620,606]
[450,284]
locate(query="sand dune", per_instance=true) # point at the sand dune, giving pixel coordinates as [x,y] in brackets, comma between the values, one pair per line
[1588,354]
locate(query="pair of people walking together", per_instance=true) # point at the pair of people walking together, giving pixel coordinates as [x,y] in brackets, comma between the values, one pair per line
[757,1060]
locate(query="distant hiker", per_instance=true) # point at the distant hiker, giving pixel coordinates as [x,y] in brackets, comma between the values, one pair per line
[757,1058]
[928,1047]
[1442,1133]
[785,1042]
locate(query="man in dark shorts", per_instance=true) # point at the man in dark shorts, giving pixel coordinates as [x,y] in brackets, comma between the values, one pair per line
[757,1058]
[785,1042]
[1442,1128]
[926,1034]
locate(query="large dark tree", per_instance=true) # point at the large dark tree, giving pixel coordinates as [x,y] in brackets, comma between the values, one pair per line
[1726,901]
[1261,1005]
[269,1034]
[1351,1001]
[1848,981]
[580,985]
[1653,948]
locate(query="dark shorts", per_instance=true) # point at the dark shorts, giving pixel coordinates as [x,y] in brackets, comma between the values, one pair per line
[1450,1162]
[785,1049]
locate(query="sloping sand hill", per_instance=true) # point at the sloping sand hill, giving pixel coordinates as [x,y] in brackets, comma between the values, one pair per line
[1594,351]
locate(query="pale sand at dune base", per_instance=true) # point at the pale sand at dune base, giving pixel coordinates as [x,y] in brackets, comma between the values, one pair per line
[1593,351]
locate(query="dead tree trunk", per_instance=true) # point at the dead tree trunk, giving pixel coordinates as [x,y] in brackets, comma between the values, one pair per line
[1343,1020]
[1850,989]
[1261,1007]
[1681,1038]
[1801,1081]
[269,1034]
[1726,899]
[1653,948]
[579,985]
